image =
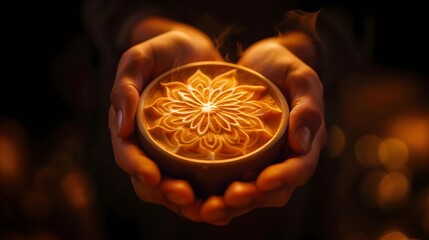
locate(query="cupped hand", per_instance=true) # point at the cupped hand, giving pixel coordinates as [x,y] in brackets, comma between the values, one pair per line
[168,45]
[281,60]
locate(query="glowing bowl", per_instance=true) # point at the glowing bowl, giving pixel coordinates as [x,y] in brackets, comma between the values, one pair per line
[212,123]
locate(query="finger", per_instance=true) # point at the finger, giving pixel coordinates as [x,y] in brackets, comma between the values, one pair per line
[306,113]
[178,192]
[241,194]
[130,157]
[294,171]
[144,192]
[147,60]
[300,85]
[192,211]
[261,199]
[215,211]
[153,195]
[277,198]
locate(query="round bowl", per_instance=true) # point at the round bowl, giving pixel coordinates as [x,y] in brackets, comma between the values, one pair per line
[212,123]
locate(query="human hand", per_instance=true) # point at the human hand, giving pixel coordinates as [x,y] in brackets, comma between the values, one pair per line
[165,45]
[306,130]
[136,68]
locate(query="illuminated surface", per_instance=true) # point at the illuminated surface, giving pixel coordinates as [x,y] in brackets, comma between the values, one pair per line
[211,117]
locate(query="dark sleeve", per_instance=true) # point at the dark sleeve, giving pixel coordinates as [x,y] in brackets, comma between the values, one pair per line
[109,22]
[333,31]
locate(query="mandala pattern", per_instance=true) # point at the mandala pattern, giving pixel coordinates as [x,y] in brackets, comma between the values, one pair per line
[206,118]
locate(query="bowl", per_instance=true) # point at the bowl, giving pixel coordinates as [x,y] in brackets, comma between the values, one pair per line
[212,123]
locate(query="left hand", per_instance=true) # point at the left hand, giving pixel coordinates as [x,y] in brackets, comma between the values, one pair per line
[306,132]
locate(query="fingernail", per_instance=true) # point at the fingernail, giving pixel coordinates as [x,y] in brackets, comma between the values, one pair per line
[119,120]
[274,185]
[176,198]
[303,135]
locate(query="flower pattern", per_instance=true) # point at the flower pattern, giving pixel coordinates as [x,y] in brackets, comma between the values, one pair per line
[206,118]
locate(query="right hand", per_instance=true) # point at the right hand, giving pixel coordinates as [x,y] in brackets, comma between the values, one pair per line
[176,44]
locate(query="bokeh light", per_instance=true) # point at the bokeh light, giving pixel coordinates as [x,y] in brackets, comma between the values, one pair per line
[413,130]
[369,188]
[393,191]
[393,153]
[366,150]
[384,190]
[76,191]
[336,141]
[394,235]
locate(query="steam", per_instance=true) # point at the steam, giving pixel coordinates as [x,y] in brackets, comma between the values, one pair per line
[299,20]
[229,48]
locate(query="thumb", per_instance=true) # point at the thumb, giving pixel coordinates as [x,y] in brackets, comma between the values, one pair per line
[305,122]
[124,99]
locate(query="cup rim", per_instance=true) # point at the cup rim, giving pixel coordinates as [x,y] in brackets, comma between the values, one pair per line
[276,137]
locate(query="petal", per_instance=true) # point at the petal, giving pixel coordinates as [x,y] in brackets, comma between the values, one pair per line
[191,118]
[189,98]
[257,138]
[250,122]
[220,123]
[203,125]
[182,108]
[237,137]
[221,95]
[214,125]
[253,92]
[210,141]
[199,80]
[185,136]
[172,89]
[225,81]
[257,108]
[163,135]
[159,107]
[170,122]
[199,95]
[228,117]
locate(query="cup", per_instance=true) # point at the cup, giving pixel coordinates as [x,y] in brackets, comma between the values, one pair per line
[212,123]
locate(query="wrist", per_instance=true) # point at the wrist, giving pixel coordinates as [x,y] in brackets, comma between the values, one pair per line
[301,45]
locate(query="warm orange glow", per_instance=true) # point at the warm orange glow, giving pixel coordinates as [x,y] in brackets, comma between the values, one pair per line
[337,141]
[75,189]
[366,150]
[393,153]
[393,191]
[9,160]
[394,235]
[413,130]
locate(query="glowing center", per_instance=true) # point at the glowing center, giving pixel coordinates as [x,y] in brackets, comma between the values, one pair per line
[207,107]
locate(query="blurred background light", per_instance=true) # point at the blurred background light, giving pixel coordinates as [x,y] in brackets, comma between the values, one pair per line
[393,190]
[393,153]
[366,150]
[394,235]
[336,141]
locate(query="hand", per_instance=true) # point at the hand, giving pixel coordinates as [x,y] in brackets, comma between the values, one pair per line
[164,45]
[306,129]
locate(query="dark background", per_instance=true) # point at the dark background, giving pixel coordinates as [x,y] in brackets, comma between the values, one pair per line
[35,33]
[47,57]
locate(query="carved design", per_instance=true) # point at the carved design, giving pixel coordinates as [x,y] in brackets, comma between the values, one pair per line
[206,118]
